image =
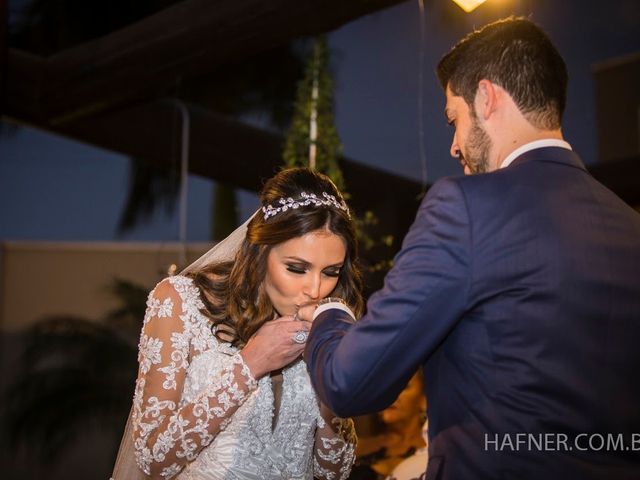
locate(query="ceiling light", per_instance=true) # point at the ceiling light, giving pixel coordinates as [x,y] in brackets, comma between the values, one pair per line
[469,5]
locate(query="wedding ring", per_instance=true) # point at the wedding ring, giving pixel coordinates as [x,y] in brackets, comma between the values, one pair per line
[300,336]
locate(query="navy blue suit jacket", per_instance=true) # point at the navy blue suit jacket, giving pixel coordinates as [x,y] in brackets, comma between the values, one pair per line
[518,291]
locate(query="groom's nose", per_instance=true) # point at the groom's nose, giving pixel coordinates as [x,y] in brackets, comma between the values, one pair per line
[454,150]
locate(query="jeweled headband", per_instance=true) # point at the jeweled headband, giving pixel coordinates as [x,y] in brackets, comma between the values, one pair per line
[305,199]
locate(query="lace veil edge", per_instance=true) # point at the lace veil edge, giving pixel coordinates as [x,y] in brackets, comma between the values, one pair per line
[125,467]
[222,251]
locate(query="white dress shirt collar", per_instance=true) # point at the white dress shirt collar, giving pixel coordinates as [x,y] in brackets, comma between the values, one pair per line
[547,142]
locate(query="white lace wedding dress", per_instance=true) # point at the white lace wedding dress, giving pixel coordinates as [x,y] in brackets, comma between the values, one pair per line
[221,426]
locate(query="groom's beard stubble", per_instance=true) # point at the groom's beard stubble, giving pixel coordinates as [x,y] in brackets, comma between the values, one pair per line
[477,148]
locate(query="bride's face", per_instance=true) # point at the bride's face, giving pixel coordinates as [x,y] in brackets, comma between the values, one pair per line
[303,269]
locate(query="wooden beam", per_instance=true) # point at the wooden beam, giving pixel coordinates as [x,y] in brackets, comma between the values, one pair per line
[146,59]
[231,152]
[239,155]
[23,79]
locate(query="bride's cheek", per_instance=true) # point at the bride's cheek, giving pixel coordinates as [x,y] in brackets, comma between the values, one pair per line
[329,288]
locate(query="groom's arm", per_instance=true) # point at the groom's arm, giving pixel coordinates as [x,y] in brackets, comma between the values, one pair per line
[360,368]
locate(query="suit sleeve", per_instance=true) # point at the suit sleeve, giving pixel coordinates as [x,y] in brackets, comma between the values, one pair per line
[360,368]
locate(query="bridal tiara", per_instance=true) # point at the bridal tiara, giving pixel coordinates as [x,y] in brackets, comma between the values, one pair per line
[304,200]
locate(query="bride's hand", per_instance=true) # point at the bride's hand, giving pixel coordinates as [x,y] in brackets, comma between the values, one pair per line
[272,346]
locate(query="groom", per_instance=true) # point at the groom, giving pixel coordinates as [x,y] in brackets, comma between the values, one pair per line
[517,289]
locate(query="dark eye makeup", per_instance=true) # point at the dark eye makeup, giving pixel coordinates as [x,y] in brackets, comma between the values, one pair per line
[302,269]
[296,269]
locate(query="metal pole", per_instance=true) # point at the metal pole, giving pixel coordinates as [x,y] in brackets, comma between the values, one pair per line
[184,181]
[313,120]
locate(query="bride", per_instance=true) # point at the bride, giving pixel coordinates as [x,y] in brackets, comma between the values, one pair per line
[222,391]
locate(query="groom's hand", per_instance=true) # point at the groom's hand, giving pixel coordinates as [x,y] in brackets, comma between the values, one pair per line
[305,312]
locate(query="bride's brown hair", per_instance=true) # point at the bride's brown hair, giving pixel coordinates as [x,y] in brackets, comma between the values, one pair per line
[233,292]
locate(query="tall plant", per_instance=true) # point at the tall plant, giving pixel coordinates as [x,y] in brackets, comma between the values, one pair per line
[313,141]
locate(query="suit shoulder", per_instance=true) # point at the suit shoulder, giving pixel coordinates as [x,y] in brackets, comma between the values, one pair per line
[446,198]
[464,183]
[446,187]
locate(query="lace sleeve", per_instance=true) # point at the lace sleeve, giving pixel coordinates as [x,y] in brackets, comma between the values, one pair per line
[168,431]
[334,447]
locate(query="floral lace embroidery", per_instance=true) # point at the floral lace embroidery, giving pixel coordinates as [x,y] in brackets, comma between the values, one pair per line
[337,450]
[197,409]
[167,433]
[149,352]
[157,309]
[179,356]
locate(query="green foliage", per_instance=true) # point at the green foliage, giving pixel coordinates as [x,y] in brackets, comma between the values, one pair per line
[74,373]
[127,317]
[365,224]
[298,138]
[225,212]
[329,148]
[149,188]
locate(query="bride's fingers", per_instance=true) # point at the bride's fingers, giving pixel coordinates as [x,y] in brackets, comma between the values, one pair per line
[289,324]
[284,319]
[302,325]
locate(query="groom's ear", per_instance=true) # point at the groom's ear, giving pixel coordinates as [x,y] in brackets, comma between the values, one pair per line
[487,97]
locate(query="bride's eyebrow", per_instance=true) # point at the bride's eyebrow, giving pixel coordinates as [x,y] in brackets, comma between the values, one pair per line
[297,259]
[307,263]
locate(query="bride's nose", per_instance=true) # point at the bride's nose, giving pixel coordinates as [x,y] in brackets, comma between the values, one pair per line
[311,287]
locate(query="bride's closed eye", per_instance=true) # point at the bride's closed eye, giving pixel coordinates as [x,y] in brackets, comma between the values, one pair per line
[332,272]
[302,269]
[299,269]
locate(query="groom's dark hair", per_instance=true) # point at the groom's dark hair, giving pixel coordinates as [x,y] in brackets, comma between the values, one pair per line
[517,55]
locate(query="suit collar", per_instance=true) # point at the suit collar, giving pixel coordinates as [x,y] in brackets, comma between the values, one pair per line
[540,143]
[550,154]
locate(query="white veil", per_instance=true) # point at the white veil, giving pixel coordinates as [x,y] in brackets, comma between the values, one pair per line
[125,467]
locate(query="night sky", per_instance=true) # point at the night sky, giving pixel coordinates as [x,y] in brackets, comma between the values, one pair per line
[53,188]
